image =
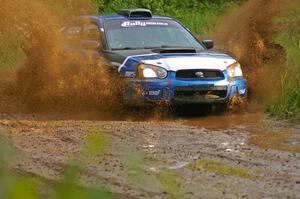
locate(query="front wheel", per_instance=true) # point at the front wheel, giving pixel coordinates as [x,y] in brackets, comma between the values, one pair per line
[237,104]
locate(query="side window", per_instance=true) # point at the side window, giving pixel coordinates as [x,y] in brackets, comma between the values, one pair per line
[83,35]
[72,35]
[73,31]
[91,32]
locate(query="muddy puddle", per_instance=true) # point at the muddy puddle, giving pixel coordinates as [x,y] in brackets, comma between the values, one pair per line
[261,131]
[283,139]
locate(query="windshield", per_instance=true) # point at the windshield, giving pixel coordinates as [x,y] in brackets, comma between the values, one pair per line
[143,34]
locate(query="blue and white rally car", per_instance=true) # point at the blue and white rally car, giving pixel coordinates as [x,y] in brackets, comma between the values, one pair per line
[160,59]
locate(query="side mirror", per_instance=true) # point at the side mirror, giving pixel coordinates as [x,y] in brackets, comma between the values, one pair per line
[91,45]
[209,44]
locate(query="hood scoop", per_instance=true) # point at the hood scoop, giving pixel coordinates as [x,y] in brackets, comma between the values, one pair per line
[174,50]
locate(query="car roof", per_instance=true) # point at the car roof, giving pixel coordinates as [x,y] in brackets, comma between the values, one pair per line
[121,17]
[100,19]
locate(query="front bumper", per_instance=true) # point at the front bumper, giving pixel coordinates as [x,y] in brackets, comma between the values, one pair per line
[188,91]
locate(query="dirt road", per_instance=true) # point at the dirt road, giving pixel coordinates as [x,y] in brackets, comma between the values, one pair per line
[230,156]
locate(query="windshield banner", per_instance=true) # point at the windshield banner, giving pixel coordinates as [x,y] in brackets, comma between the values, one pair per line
[143,23]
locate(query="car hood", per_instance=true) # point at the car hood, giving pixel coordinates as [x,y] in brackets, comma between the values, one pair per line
[194,61]
[175,62]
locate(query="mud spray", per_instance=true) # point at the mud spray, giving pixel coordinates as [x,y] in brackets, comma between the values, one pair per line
[248,34]
[52,80]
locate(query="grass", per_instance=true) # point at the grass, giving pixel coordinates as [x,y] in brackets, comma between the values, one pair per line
[12,57]
[135,165]
[96,142]
[170,183]
[217,167]
[288,104]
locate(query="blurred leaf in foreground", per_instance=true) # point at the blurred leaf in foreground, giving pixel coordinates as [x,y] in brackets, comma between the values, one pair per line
[170,184]
[96,142]
[24,188]
[69,188]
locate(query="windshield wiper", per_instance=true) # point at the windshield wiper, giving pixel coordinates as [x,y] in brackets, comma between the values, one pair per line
[167,46]
[153,47]
[127,48]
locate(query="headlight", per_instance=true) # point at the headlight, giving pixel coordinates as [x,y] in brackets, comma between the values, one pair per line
[150,71]
[234,70]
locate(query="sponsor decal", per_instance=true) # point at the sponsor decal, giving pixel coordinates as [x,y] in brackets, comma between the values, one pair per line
[143,23]
[154,93]
[129,74]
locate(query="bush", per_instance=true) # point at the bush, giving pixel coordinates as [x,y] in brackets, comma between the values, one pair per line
[288,105]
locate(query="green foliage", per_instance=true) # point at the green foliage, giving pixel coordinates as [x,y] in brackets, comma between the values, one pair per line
[135,165]
[23,188]
[163,180]
[288,105]
[69,188]
[100,191]
[14,187]
[170,183]
[97,142]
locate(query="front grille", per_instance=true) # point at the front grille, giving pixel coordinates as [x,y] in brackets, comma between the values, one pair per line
[218,92]
[199,74]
